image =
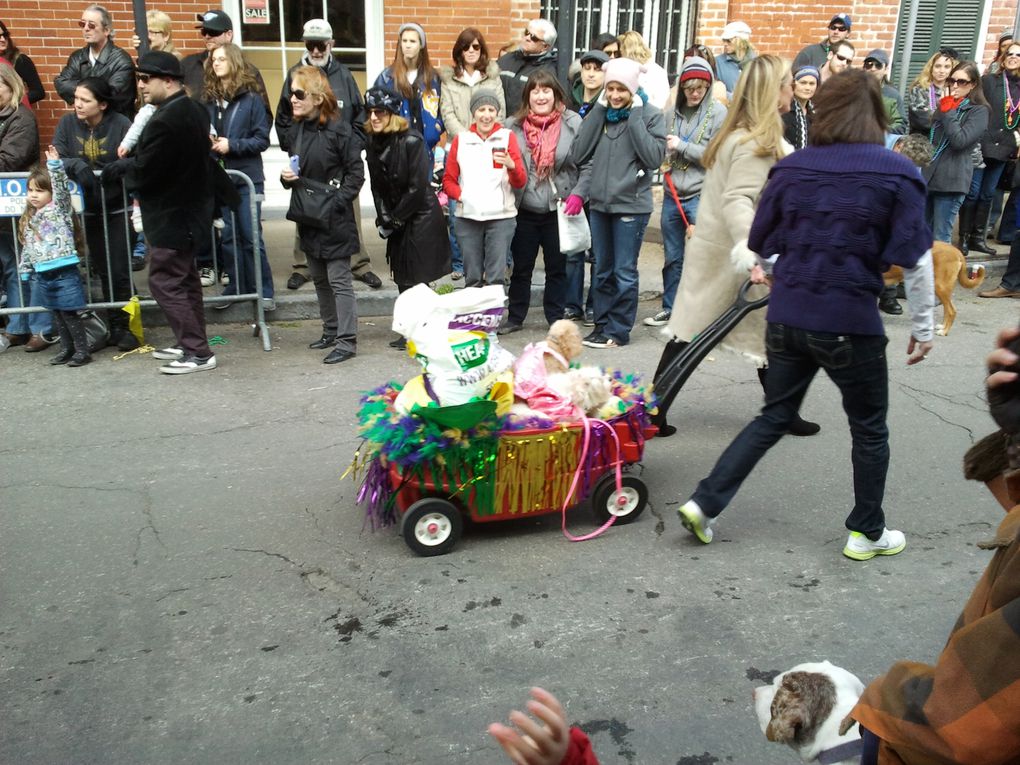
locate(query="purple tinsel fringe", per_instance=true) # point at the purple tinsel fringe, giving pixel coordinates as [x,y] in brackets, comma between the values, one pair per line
[377,495]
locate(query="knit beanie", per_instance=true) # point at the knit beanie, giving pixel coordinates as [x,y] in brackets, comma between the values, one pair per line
[417,28]
[696,68]
[484,97]
[807,71]
[624,71]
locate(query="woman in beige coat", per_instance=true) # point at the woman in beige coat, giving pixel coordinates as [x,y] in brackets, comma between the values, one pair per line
[717,260]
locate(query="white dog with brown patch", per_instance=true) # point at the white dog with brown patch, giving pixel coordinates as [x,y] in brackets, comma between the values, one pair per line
[804,708]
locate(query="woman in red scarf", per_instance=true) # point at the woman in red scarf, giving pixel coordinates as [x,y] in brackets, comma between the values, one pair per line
[545,130]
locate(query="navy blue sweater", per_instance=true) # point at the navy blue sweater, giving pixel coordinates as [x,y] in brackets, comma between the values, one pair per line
[838,216]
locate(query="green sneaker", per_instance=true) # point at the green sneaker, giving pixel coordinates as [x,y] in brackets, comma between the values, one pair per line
[859,547]
[695,521]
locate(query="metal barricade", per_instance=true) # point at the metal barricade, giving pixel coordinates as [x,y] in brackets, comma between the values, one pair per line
[10,183]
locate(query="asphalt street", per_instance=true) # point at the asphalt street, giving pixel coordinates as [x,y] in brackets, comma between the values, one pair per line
[185,578]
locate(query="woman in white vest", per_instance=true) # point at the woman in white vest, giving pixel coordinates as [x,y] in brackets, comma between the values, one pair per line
[483,168]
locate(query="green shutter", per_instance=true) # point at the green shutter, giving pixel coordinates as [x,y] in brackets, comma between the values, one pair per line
[939,23]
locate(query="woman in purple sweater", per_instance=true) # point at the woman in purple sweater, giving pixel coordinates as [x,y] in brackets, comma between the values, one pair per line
[826,251]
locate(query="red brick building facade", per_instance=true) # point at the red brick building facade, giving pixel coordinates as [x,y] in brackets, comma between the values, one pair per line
[47,30]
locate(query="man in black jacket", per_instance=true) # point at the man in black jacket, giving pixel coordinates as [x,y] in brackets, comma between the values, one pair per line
[99,58]
[534,53]
[318,39]
[173,177]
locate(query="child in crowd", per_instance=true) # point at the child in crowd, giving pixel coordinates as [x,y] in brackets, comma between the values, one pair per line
[51,238]
[483,167]
[127,145]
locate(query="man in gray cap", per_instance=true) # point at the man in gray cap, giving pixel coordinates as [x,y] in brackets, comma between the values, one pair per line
[816,54]
[318,38]
[173,177]
[877,63]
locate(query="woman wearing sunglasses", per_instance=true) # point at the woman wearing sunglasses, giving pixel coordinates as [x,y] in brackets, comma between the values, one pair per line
[240,124]
[22,64]
[327,150]
[472,71]
[408,215]
[412,76]
[956,128]
[998,146]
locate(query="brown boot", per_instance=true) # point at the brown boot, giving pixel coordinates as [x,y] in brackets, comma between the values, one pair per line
[999,292]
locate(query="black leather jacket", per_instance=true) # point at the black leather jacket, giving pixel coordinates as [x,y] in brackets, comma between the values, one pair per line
[113,65]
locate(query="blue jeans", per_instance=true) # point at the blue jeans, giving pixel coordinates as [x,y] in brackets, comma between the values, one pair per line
[985,180]
[241,270]
[616,240]
[674,240]
[19,291]
[940,211]
[857,365]
[575,299]
[456,259]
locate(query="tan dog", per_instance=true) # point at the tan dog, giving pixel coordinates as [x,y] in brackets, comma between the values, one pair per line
[950,267]
[565,338]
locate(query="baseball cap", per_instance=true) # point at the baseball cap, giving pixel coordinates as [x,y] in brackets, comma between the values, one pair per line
[214,21]
[841,18]
[736,29]
[317,29]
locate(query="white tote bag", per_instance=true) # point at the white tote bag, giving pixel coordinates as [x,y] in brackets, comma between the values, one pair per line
[575,236]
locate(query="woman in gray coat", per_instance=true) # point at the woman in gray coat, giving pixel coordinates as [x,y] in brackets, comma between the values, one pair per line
[545,132]
[624,138]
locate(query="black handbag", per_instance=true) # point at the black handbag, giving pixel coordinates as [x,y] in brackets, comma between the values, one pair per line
[311,201]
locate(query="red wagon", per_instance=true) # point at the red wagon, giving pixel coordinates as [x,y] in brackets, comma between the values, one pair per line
[529,472]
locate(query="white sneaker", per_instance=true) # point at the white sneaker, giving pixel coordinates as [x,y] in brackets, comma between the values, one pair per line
[207,277]
[187,365]
[173,353]
[224,278]
[5,343]
[695,521]
[859,547]
[660,319]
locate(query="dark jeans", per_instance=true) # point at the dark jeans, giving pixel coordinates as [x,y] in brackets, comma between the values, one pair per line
[857,365]
[985,180]
[534,230]
[239,261]
[174,283]
[616,240]
[1011,279]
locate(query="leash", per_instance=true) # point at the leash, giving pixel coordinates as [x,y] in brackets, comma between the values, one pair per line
[588,424]
[668,179]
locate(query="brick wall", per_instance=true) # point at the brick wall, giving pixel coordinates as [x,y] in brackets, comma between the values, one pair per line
[784,29]
[48,32]
[499,21]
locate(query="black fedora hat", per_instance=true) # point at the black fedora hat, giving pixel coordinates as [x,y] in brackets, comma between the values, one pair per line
[159,63]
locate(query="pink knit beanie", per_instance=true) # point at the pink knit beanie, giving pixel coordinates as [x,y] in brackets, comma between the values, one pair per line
[624,71]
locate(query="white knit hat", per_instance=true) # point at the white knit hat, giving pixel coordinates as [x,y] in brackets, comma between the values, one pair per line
[736,29]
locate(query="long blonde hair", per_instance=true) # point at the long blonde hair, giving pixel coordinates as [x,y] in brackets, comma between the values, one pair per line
[632,45]
[924,77]
[754,108]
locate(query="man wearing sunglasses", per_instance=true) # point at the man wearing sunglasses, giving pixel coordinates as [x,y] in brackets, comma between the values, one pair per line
[216,28]
[840,57]
[174,178]
[100,58]
[816,54]
[318,39]
[533,53]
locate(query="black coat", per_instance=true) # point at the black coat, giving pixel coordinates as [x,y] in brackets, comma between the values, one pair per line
[997,142]
[173,175]
[419,248]
[19,139]
[344,87]
[25,68]
[113,65]
[331,153]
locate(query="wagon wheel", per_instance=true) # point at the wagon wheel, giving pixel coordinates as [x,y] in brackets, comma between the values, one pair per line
[626,504]
[431,526]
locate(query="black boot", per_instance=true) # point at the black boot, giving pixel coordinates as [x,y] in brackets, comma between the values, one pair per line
[670,352]
[976,241]
[66,343]
[799,426]
[965,224]
[76,328]
[888,303]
